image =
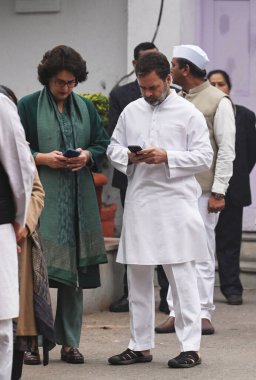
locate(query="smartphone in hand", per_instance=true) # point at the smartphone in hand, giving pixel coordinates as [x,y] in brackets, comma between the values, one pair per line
[134,148]
[71,153]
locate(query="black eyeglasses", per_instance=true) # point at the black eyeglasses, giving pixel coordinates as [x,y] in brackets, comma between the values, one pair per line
[62,83]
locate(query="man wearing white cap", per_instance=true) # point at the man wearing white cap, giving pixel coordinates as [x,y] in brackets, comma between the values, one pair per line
[188,71]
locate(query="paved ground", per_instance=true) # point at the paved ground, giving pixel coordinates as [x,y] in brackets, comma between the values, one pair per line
[229,354]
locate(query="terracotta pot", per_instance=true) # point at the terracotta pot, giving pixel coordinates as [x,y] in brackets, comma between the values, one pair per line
[107,212]
[107,215]
[99,181]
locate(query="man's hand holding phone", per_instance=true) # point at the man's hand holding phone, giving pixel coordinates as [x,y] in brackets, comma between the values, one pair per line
[149,156]
[133,152]
[134,148]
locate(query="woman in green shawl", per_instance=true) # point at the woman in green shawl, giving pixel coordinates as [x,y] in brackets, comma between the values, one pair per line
[56,119]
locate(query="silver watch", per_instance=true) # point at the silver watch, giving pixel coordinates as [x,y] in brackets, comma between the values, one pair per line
[218,196]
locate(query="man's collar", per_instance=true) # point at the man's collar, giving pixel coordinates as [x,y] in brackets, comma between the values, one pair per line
[199,88]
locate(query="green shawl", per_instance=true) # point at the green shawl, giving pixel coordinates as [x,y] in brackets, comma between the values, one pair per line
[70,222]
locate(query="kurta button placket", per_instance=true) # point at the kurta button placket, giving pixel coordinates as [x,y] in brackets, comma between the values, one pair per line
[153,129]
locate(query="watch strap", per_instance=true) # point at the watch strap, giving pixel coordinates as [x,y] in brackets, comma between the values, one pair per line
[218,196]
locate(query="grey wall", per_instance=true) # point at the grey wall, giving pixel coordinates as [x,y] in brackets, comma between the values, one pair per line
[96,28]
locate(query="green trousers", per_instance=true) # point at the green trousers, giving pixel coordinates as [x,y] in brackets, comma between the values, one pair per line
[69,315]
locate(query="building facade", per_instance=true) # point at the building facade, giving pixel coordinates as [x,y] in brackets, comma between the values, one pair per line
[105,32]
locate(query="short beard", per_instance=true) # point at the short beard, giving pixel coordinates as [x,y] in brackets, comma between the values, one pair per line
[161,98]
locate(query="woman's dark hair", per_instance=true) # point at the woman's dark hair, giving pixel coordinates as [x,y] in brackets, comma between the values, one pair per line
[61,58]
[153,62]
[8,92]
[224,74]
[195,70]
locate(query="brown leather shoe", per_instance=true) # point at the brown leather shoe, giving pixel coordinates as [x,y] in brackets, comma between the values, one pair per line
[32,357]
[166,327]
[207,327]
[72,356]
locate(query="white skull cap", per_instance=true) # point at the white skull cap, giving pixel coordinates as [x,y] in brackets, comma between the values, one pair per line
[192,53]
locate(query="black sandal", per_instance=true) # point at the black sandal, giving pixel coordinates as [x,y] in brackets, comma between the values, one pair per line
[185,359]
[129,357]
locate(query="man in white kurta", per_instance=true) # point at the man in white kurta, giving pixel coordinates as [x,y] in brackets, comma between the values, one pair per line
[161,223]
[15,159]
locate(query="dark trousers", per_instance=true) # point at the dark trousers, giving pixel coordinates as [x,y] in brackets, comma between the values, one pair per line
[125,284]
[228,245]
[69,315]
[17,364]
[17,361]
[163,282]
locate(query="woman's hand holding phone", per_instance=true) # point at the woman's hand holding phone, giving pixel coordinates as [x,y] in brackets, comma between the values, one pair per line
[77,163]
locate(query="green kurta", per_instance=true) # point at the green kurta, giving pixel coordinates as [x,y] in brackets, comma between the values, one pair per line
[70,223]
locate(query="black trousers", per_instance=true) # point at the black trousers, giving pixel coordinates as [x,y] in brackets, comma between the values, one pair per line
[228,244]
[17,364]
[163,282]
[161,276]
[17,360]
[125,284]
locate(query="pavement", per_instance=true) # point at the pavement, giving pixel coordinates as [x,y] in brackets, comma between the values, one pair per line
[228,354]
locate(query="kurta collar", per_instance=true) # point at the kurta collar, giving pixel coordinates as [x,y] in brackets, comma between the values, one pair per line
[169,98]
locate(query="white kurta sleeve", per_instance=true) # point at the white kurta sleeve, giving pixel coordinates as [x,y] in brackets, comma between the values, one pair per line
[198,154]
[117,150]
[15,157]
[224,133]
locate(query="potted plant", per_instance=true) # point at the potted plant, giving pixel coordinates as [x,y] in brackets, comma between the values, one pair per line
[101,103]
[107,212]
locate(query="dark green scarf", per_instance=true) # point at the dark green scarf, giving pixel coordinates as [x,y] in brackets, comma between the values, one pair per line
[70,223]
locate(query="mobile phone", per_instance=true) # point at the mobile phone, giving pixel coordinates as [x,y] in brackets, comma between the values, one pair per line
[71,153]
[134,148]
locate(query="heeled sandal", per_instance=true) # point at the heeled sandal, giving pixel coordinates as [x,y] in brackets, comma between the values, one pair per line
[32,357]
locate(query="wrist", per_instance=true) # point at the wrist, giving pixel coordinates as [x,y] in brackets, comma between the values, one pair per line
[41,159]
[90,161]
[218,196]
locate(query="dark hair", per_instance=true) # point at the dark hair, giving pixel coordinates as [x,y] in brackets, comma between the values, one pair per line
[61,58]
[153,62]
[224,74]
[8,92]
[141,47]
[195,70]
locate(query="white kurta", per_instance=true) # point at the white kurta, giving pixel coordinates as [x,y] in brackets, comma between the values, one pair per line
[161,222]
[15,157]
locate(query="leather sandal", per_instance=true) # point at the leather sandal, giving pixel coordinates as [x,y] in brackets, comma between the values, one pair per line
[32,357]
[129,357]
[72,356]
[185,359]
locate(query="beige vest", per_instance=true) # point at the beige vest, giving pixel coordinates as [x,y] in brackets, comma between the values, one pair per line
[206,98]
